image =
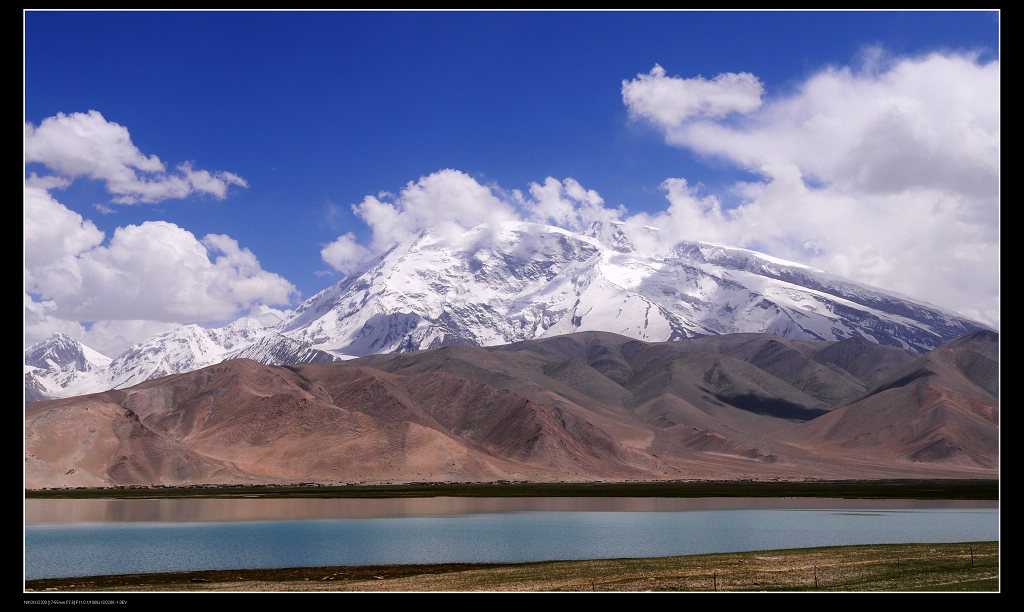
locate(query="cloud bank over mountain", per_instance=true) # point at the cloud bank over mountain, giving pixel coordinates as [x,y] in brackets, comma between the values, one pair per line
[886,173]
[144,276]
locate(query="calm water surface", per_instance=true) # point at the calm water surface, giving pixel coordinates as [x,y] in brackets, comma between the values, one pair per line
[92,537]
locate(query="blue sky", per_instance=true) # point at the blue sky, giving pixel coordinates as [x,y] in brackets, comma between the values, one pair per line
[287,122]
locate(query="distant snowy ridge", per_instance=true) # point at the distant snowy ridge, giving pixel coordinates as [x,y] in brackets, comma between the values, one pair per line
[520,281]
[184,349]
[59,365]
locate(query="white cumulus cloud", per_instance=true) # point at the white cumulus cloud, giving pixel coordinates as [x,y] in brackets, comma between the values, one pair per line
[447,201]
[668,101]
[151,272]
[40,323]
[566,204]
[887,174]
[345,253]
[88,145]
[115,337]
[54,237]
[145,278]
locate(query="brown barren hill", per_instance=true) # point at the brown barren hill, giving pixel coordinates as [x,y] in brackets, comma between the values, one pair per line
[941,409]
[580,407]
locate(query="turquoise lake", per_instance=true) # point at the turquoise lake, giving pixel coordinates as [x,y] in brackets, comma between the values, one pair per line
[92,537]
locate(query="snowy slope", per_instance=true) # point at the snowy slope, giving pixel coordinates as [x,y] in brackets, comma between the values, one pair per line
[496,285]
[528,281]
[61,366]
[184,349]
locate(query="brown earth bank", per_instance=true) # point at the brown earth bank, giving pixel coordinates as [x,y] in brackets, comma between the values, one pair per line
[576,408]
[968,566]
[946,489]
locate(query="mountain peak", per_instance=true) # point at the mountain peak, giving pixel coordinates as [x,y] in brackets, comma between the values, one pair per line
[61,365]
[611,235]
[492,285]
[517,281]
[62,351]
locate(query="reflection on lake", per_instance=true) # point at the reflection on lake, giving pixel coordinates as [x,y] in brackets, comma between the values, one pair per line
[90,537]
[39,511]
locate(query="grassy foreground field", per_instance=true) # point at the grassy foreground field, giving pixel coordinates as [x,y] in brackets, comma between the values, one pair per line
[971,566]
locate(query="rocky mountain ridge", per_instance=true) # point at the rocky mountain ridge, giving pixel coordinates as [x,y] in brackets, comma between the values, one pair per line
[577,407]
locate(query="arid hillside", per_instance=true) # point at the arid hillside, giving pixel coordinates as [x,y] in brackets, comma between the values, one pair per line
[585,406]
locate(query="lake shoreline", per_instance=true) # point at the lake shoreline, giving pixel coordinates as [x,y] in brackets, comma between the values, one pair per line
[880,489]
[966,566]
[476,576]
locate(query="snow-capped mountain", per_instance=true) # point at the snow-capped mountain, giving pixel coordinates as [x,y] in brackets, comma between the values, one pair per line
[59,366]
[273,348]
[525,281]
[184,349]
[520,281]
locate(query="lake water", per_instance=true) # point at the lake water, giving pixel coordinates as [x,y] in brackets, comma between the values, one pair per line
[92,537]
